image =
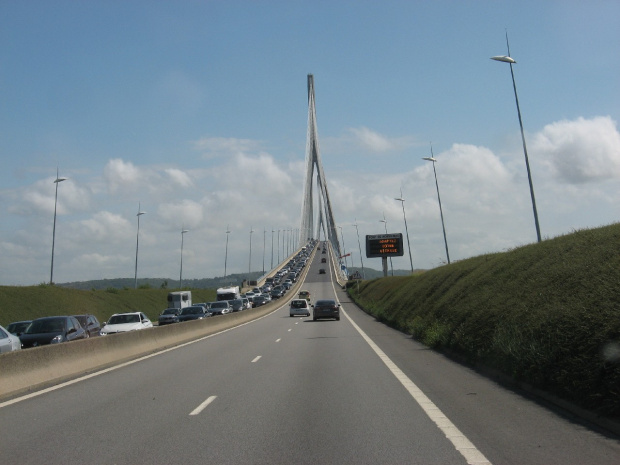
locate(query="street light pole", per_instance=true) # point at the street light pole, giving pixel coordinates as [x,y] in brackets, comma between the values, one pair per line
[384,221]
[56,181]
[360,247]
[250,260]
[402,202]
[264,235]
[278,246]
[140,213]
[183,231]
[226,253]
[344,249]
[445,240]
[510,61]
[272,231]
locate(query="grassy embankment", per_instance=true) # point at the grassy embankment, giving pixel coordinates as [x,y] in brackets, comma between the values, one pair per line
[545,314]
[27,303]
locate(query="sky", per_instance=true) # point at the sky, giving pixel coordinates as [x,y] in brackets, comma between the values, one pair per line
[195,113]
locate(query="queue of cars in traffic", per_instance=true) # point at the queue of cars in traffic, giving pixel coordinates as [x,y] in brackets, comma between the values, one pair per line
[58,329]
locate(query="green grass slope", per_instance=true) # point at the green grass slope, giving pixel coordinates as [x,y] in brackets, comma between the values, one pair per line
[545,314]
[27,303]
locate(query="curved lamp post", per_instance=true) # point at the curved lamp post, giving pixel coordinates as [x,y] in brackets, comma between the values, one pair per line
[56,181]
[402,202]
[183,231]
[250,260]
[272,231]
[226,251]
[344,249]
[264,236]
[360,247]
[140,213]
[384,221]
[508,59]
[445,240]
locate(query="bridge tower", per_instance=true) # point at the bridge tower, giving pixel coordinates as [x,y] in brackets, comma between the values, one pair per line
[313,160]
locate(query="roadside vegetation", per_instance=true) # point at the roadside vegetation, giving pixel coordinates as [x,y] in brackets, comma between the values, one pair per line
[546,315]
[26,303]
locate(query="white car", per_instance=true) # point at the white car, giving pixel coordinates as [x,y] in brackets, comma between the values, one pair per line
[124,322]
[299,307]
[8,341]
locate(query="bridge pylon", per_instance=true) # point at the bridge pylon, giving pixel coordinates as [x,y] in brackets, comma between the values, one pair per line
[313,160]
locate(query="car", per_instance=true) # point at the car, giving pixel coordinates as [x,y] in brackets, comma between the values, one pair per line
[323,260]
[299,307]
[322,271]
[169,316]
[206,305]
[195,312]
[304,295]
[52,330]
[277,292]
[125,322]
[18,327]
[326,308]
[221,307]
[237,305]
[246,302]
[259,300]
[90,323]
[8,341]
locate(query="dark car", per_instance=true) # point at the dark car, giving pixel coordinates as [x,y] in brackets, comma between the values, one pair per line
[195,312]
[259,301]
[221,307]
[323,260]
[18,327]
[52,330]
[90,323]
[168,316]
[277,292]
[326,309]
[322,271]
[237,305]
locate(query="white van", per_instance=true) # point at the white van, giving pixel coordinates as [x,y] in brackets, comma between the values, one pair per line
[180,299]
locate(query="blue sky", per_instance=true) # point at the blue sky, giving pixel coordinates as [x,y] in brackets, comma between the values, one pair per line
[197,110]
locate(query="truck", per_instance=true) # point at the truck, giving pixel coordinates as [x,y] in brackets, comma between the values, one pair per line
[180,299]
[228,293]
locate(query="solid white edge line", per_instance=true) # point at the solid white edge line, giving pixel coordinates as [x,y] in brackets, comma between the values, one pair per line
[202,406]
[257,358]
[458,439]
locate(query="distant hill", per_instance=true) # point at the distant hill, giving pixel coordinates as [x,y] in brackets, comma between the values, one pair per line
[204,283]
[162,283]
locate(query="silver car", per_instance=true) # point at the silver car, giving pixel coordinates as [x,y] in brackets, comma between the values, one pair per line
[8,342]
[299,307]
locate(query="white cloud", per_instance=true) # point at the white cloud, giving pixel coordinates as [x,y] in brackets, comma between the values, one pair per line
[179,177]
[366,141]
[580,151]
[106,226]
[186,213]
[120,174]
[213,147]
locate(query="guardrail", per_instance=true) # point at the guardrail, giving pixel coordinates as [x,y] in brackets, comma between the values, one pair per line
[28,370]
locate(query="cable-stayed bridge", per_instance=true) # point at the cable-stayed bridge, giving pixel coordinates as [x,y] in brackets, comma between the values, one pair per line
[325,223]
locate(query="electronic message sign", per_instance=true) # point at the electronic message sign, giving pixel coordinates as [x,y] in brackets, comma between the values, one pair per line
[384,245]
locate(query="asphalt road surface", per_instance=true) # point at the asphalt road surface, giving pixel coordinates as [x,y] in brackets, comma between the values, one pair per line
[284,390]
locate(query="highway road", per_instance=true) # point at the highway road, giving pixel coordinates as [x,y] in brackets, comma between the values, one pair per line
[284,390]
